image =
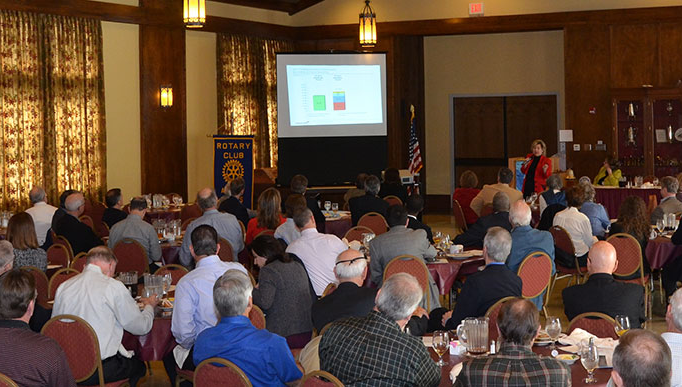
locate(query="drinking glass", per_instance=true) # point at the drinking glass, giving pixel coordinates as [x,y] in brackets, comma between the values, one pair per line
[589,357]
[553,328]
[327,205]
[622,324]
[440,344]
[167,281]
[660,226]
[335,207]
[437,236]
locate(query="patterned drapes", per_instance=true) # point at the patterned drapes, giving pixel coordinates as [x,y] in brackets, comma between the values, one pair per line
[247,91]
[51,107]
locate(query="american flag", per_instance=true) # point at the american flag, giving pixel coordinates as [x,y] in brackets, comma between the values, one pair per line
[415,155]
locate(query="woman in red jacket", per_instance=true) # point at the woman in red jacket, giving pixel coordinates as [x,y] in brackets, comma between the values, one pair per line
[537,168]
[466,193]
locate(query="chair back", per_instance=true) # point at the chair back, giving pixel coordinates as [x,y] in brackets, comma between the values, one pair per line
[42,285]
[225,253]
[266,232]
[329,289]
[393,200]
[492,313]
[190,211]
[628,253]
[176,272]
[375,222]
[562,239]
[58,278]
[355,233]
[320,378]
[547,217]
[80,344]
[457,212]
[86,219]
[186,223]
[536,273]
[598,324]
[411,265]
[652,204]
[103,230]
[131,257]
[241,225]
[217,372]
[257,317]
[78,262]
[57,254]
[96,215]
[5,381]
[60,240]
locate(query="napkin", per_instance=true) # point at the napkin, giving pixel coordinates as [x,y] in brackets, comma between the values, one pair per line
[605,346]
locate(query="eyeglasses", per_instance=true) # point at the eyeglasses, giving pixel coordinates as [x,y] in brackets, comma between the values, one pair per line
[351,261]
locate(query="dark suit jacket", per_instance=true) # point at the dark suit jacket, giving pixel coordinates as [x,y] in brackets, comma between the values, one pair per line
[233,206]
[398,190]
[317,213]
[601,293]
[417,225]
[474,235]
[363,204]
[482,290]
[56,217]
[348,300]
[80,236]
[112,216]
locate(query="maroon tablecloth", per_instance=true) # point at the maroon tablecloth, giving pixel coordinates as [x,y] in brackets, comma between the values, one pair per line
[660,251]
[170,252]
[445,274]
[611,198]
[154,345]
[337,227]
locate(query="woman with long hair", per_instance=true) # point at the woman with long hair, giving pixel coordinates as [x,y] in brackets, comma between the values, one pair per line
[269,215]
[21,233]
[633,220]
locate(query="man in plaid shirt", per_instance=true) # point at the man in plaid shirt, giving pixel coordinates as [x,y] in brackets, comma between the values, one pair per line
[373,350]
[515,364]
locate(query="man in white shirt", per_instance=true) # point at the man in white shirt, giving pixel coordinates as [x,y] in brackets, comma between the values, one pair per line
[41,212]
[576,223]
[108,307]
[673,336]
[317,251]
[485,197]
[287,231]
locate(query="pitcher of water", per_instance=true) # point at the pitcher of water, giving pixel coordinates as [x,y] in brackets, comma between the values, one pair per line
[473,334]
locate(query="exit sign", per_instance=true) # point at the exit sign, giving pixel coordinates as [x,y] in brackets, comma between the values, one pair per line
[475,9]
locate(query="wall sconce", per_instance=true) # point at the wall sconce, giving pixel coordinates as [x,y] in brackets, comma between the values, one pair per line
[194,13]
[166,96]
[368,26]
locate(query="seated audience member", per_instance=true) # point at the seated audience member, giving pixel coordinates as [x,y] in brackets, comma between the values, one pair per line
[389,357]
[473,236]
[632,220]
[81,237]
[526,240]
[193,310]
[108,307]
[299,185]
[669,203]
[359,189]
[41,212]
[393,185]
[21,234]
[553,194]
[369,202]
[6,256]
[29,359]
[263,356]
[576,223]
[283,292]
[400,240]
[287,231]
[233,204]
[226,225]
[269,215]
[672,271]
[679,185]
[317,251]
[602,293]
[134,227]
[485,197]
[113,213]
[595,212]
[61,210]
[414,206]
[673,335]
[609,174]
[483,289]
[518,323]
[641,359]
[467,191]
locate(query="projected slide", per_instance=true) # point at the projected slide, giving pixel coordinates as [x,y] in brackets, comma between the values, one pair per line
[334,94]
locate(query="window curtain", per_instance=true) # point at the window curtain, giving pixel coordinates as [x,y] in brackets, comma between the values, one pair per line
[247,91]
[51,107]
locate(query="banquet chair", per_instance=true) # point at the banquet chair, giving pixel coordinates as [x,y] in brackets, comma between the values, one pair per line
[460,221]
[375,222]
[225,253]
[42,285]
[329,289]
[186,223]
[131,257]
[5,381]
[257,317]
[492,313]
[103,230]
[393,200]
[266,232]
[598,324]
[57,254]
[183,376]
[58,278]
[630,261]
[80,344]
[243,230]
[78,262]
[176,272]
[536,275]
[355,233]
[251,277]
[86,219]
[190,211]
[320,378]
[218,372]
[96,215]
[411,265]
[60,240]
[562,240]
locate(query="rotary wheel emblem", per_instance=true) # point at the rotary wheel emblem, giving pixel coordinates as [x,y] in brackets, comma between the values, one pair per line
[232,170]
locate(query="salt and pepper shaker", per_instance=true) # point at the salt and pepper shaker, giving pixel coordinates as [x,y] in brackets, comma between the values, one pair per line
[492,347]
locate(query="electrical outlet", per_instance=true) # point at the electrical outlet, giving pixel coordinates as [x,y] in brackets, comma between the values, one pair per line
[576,147]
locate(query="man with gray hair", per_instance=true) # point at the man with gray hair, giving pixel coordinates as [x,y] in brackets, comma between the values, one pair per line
[81,237]
[41,212]
[389,356]
[673,336]
[669,203]
[369,202]
[6,256]
[483,289]
[641,359]
[473,236]
[485,197]
[225,224]
[264,357]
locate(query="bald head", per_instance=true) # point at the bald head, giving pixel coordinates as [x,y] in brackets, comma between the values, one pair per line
[74,204]
[602,258]
[207,199]
[519,214]
[351,266]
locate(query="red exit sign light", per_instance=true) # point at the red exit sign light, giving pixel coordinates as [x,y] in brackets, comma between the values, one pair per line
[475,9]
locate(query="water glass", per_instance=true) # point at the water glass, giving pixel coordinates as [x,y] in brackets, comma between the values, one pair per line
[622,324]
[327,205]
[660,226]
[440,344]
[589,357]
[553,328]
[335,207]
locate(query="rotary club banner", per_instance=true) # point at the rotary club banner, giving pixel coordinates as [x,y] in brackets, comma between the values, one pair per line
[233,158]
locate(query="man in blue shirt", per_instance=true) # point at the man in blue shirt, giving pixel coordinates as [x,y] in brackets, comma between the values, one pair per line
[264,357]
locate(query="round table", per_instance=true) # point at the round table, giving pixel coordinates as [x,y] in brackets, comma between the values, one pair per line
[338,226]
[612,197]
[660,251]
[154,345]
[445,274]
